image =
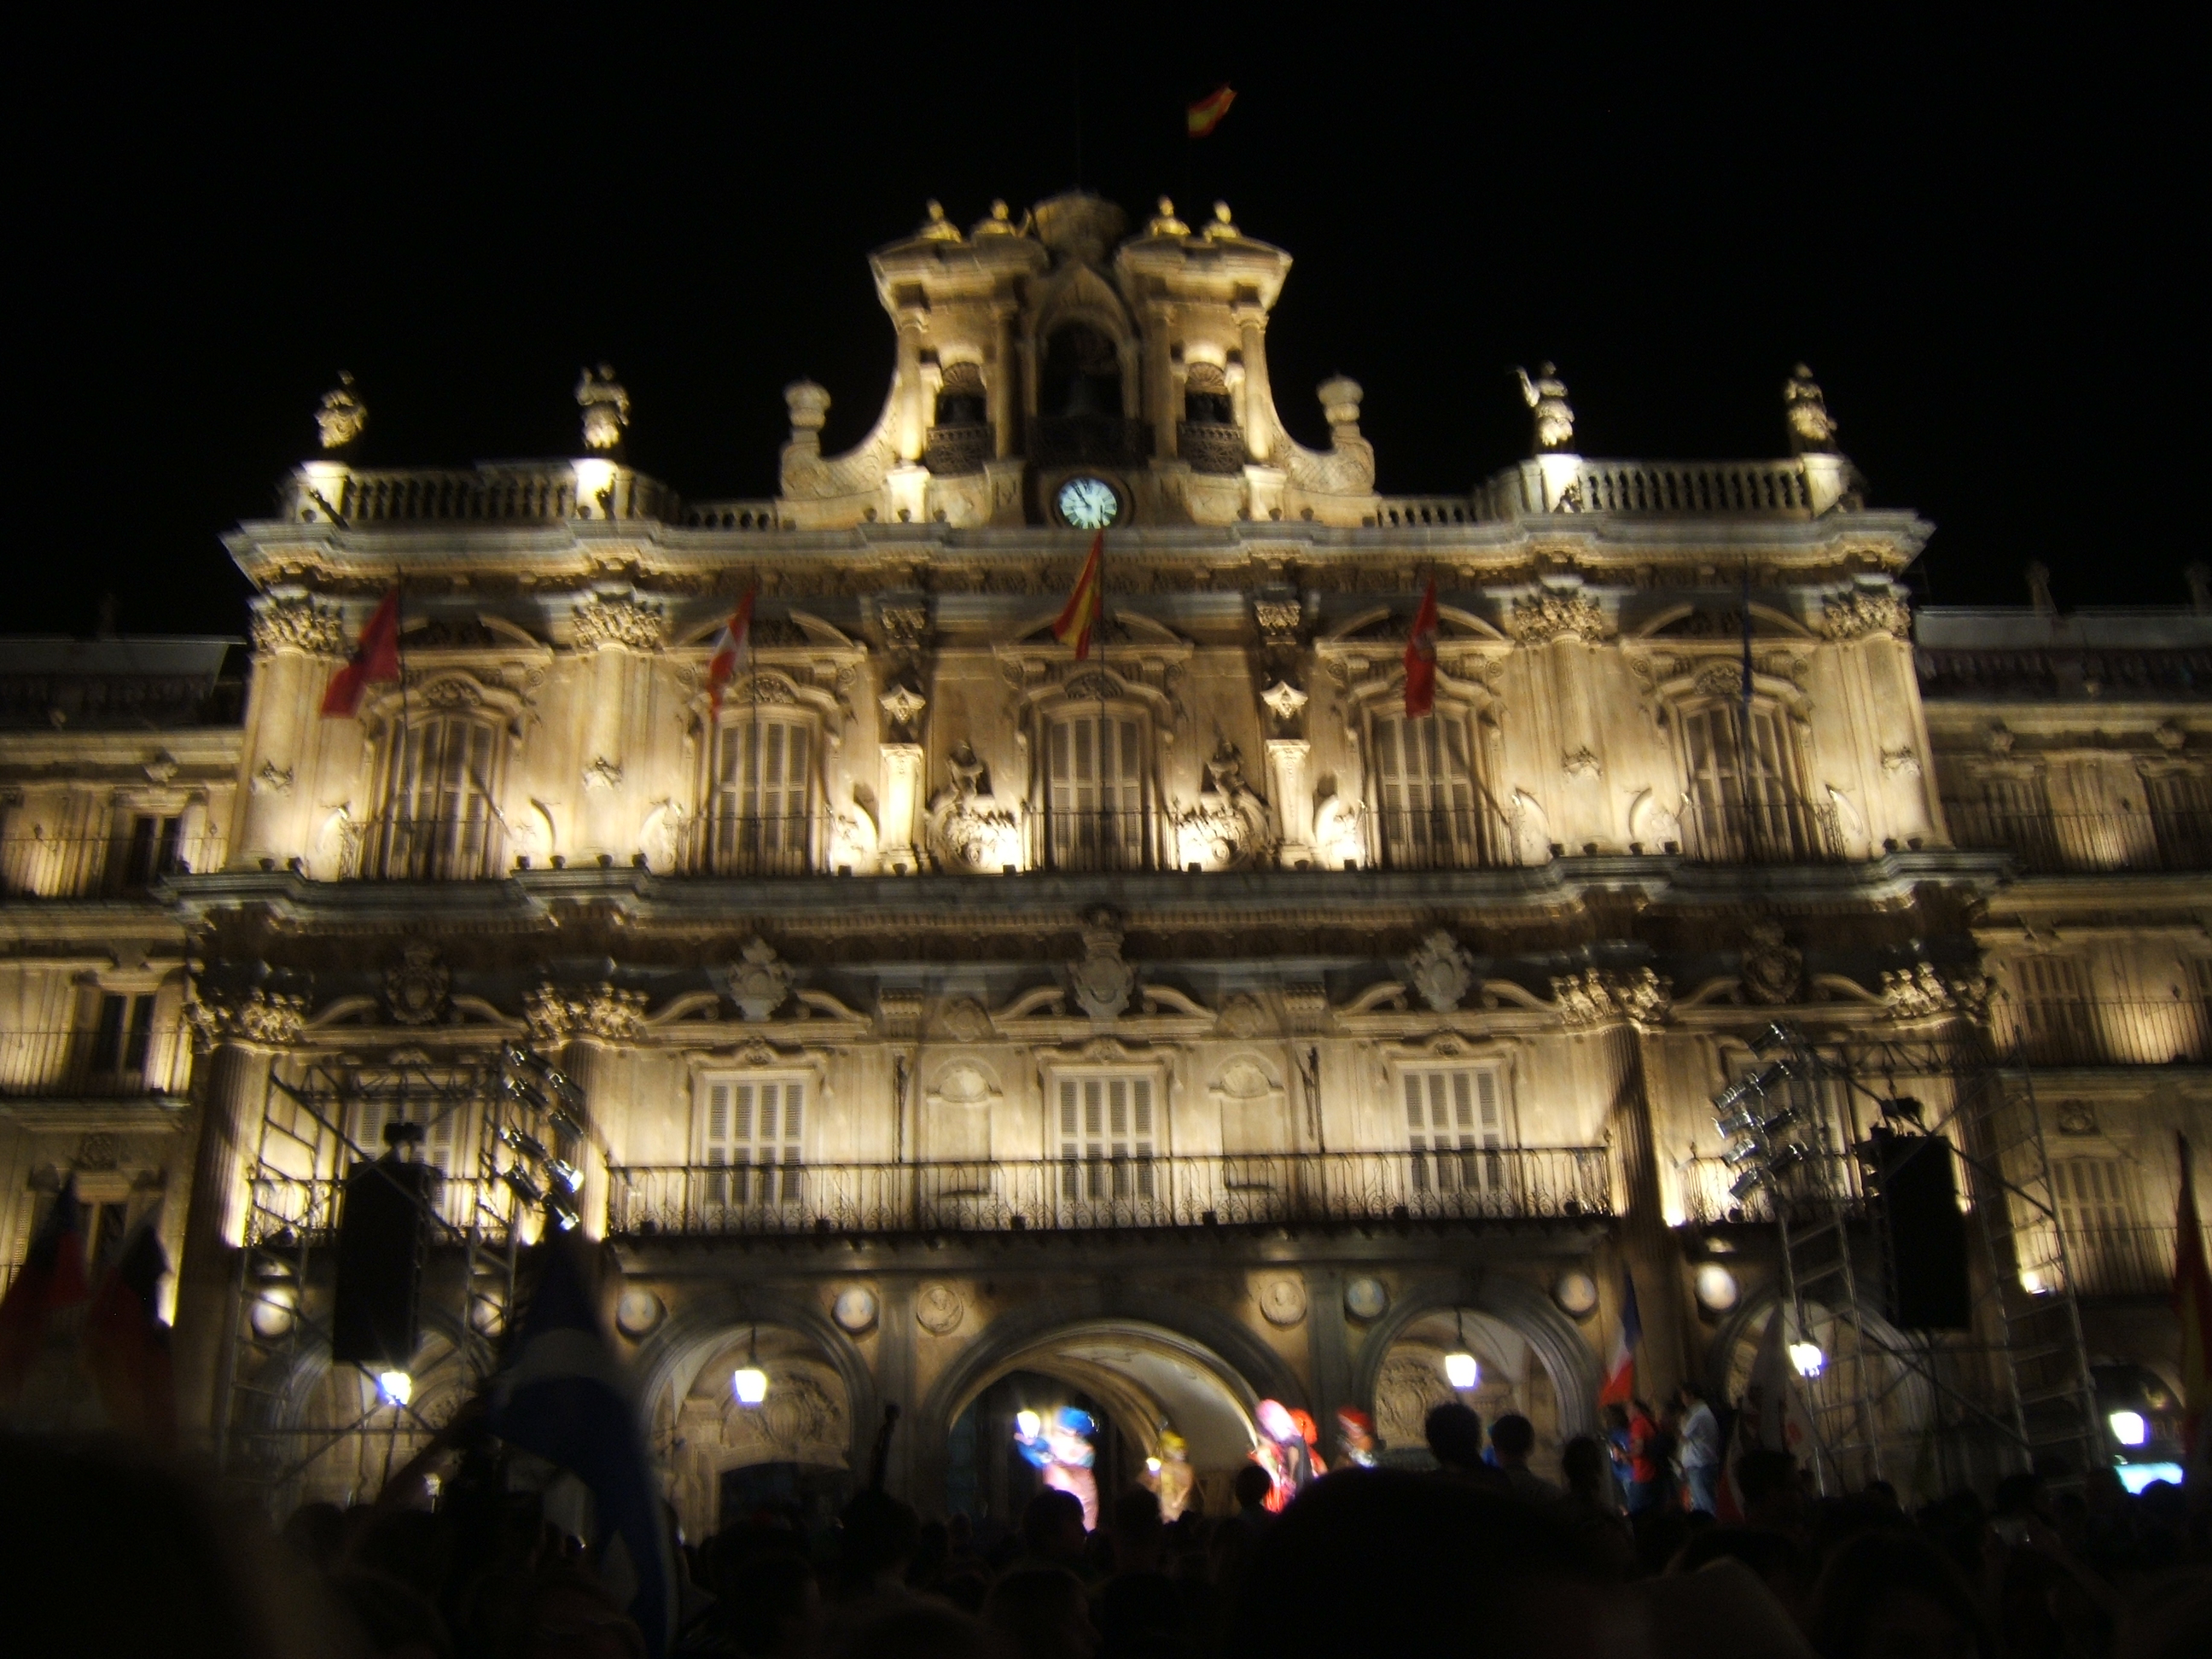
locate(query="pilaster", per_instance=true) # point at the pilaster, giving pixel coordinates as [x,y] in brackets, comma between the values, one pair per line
[1286,766]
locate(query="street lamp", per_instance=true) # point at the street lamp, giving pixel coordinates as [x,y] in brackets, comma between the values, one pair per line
[749,1382]
[1460,1369]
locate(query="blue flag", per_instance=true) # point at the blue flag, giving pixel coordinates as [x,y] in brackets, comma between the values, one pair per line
[565,1395]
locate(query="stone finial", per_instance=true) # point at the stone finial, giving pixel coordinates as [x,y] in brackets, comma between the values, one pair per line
[809,407]
[606,408]
[2038,589]
[1340,398]
[936,227]
[1165,223]
[1223,229]
[2199,578]
[1812,429]
[999,221]
[1546,394]
[341,416]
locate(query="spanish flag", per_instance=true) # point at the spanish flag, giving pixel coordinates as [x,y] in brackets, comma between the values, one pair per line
[1205,115]
[1086,604]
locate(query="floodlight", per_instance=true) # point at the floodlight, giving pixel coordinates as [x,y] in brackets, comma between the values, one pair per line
[397,1387]
[2129,1428]
[1807,1359]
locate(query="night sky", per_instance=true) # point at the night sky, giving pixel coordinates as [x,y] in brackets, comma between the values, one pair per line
[1978,238]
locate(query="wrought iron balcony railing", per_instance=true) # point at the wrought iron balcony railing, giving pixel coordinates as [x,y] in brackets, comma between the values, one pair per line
[100,866]
[2146,1031]
[2060,843]
[1707,1185]
[112,1063]
[1100,1194]
[1782,831]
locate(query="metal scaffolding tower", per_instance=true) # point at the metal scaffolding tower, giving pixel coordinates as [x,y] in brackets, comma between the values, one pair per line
[2012,1389]
[507,1133]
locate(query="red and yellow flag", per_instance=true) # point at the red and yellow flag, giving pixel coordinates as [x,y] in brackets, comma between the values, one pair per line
[2192,1309]
[1086,604]
[1205,115]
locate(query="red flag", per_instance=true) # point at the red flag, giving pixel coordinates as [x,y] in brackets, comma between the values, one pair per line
[51,1279]
[126,1345]
[2192,1307]
[375,659]
[732,650]
[1086,604]
[1421,658]
[1205,115]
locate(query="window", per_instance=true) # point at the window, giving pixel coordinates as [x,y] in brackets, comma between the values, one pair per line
[761,806]
[754,1128]
[2051,1012]
[1744,804]
[2105,1248]
[2011,812]
[1106,1137]
[1095,803]
[123,1036]
[153,850]
[372,1114]
[1455,1124]
[440,823]
[2181,816]
[1425,794]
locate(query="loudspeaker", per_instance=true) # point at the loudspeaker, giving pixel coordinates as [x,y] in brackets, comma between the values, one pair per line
[1917,1202]
[376,1311]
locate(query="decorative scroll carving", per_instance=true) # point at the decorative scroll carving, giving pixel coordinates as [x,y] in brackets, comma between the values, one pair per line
[619,619]
[1901,762]
[1284,700]
[1102,979]
[1858,614]
[1721,679]
[906,627]
[903,706]
[1914,993]
[418,990]
[1595,996]
[1279,620]
[1771,970]
[257,1016]
[968,828]
[271,779]
[554,1015]
[758,982]
[1441,971]
[293,622]
[1540,618]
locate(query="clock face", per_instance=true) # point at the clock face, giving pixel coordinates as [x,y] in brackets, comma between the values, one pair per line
[1087,503]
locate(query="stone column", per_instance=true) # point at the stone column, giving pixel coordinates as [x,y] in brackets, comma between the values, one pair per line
[587,1033]
[613,628]
[297,642]
[1159,383]
[898,1358]
[910,421]
[1259,398]
[244,1034]
[1286,763]
[1002,388]
[1328,1351]
[902,797]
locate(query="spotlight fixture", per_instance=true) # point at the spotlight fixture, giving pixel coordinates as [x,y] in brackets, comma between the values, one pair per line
[397,1387]
[2129,1428]
[1807,1359]
[749,1382]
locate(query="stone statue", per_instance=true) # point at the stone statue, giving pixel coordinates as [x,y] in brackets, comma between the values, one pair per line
[1223,229]
[2038,589]
[341,416]
[1165,223]
[1001,222]
[1812,429]
[605,406]
[1547,394]
[937,228]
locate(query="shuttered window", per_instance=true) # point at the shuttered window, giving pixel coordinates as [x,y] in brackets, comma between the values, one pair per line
[1095,800]
[372,1113]
[1743,801]
[1106,1137]
[1426,793]
[752,1136]
[440,822]
[763,807]
[1452,1119]
[2050,1012]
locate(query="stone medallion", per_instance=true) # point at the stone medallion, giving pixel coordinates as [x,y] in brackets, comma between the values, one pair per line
[1576,1293]
[1366,1298]
[638,1312]
[854,1310]
[938,1309]
[1716,1288]
[1283,1301]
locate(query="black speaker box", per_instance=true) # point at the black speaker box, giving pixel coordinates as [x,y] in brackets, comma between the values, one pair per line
[1917,1200]
[376,1312]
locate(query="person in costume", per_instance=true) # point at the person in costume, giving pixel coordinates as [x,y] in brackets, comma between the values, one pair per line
[1282,1453]
[1171,1477]
[1060,1445]
[1355,1433]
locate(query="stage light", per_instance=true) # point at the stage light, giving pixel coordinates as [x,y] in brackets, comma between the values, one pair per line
[1153,1466]
[1460,1369]
[2032,1281]
[397,1387]
[749,1382]
[1029,1423]
[2129,1428]
[1807,1359]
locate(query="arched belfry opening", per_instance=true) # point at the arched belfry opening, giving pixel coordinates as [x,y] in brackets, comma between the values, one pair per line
[1082,375]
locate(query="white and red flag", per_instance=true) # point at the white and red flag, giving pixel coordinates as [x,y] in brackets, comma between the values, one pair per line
[1619,1387]
[733,649]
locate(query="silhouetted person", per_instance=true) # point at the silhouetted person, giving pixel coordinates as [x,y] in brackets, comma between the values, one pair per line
[1890,1595]
[1774,1491]
[1041,1612]
[1512,1438]
[1454,1432]
[1250,1489]
[1052,1530]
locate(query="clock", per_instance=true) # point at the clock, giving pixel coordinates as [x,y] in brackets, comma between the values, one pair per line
[1087,503]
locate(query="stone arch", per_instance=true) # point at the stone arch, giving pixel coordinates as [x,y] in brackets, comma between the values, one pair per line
[703,1321]
[1206,1336]
[1558,1343]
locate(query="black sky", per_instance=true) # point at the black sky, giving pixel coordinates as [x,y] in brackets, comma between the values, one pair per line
[1977,232]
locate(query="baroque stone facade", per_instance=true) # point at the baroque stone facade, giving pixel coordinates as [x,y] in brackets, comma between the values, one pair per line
[1337,1039]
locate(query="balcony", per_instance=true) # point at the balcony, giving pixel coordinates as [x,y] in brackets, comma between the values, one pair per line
[2052,844]
[953,451]
[1212,446]
[2148,1031]
[101,866]
[428,849]
[1107,1194]
[1080,840]
[1708,1200]
[1777,832]
[112,1065]
[774,845]
[1089,440]
[2121,1261]
[1442,838]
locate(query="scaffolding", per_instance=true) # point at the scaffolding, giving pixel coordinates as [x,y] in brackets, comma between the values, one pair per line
[2012,1389]
[507,1133]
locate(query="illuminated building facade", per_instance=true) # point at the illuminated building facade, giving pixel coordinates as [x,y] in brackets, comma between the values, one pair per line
[1182,1026]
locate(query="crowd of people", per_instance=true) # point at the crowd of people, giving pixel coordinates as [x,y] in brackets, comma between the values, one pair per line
[1478,1552]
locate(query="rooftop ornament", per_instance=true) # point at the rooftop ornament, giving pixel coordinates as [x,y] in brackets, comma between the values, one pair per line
[1000,222]
[937,228]
[1223,229]
[342,415]
[1812,429]
[1547,394]
[606,408]
[1165,223]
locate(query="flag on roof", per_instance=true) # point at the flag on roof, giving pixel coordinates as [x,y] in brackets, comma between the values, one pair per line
[1620,1369]
[375,659]
[51,1279]
[1421,662]
[733,649]
[126,1345]
[566,1395]
[1205,115]
[1086,604]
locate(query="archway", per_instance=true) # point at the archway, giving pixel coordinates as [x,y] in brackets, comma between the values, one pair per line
[1081,376]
